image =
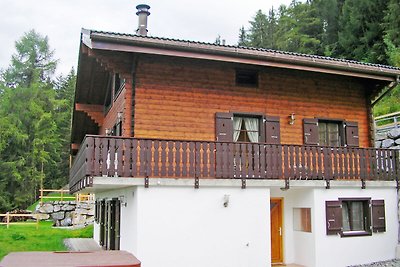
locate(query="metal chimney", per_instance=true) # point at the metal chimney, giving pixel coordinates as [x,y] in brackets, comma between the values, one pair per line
[143,13]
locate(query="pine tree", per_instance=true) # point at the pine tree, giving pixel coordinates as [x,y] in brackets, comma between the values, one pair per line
[34,58]
[258,36]
[299,28]
[243,37]
[361,30]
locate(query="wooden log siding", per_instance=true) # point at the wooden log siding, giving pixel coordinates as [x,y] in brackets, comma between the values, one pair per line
[131,157]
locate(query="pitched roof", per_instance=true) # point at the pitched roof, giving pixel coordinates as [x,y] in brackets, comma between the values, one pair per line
[258,56]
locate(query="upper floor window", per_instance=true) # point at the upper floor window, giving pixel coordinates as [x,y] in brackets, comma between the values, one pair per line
[329,133]
[333,133]
[246,129]
[119,83]
[247,77]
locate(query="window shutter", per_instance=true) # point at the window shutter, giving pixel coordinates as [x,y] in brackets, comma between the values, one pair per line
[378,216]
[272,130]
[333,217]
[96,211]
[311,136]
[224,127]
[351,130]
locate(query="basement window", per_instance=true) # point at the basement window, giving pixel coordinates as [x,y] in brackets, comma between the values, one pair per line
[355,216]
[247,78]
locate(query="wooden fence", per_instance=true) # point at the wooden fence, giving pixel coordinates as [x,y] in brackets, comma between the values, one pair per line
[8,217]
[62,197]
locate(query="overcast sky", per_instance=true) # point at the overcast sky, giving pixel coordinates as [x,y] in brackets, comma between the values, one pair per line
[62,20]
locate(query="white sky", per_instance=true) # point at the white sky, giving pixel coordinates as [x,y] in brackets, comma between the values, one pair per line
[62,20]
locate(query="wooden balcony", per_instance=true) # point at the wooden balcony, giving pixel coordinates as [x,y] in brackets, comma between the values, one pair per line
[101,156]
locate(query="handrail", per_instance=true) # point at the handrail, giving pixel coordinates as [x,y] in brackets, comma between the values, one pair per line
[139,157]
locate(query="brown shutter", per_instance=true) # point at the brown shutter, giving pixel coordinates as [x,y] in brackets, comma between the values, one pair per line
[351,133]
[311,136]
[378,216]
[333,217]
[96,211]
[223,127]
[272,130]
[102,218]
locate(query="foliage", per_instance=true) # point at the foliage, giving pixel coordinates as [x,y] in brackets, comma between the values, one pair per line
[363,30]
[35,114]
[27,238]
[33,60]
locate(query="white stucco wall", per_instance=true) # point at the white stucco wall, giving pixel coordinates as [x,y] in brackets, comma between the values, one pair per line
[183,226]
[336,251]
[177,225]
[317,249]
[299,247]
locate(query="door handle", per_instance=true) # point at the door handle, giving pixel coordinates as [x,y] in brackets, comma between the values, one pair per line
[280,231]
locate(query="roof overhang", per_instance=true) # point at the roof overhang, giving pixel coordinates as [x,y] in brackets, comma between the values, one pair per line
[234,54]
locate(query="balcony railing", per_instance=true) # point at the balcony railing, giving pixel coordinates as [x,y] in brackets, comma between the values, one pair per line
[132,157]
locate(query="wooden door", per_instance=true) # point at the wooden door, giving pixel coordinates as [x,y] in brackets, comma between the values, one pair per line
[276,231]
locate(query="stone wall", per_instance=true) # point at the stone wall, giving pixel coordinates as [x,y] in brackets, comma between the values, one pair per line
[390,139]
[66,213]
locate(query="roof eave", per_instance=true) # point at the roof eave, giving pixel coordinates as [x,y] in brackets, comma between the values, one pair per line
[138,44]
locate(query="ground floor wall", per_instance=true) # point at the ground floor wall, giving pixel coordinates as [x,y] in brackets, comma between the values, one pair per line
[316,248]
[183,226]
[229,226]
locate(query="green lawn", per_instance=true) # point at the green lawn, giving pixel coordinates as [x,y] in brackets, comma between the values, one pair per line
[46,238]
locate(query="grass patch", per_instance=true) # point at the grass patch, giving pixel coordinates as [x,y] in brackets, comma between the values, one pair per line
[46,238]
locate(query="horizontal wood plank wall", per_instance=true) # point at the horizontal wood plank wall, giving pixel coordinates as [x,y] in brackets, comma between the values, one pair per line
[110,117]
[178,98]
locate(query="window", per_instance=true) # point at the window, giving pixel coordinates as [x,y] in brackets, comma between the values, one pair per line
[247,78]
[119,83]
[117,129]
[109,219]
[302,219]
[246,129]
[355,216]
[329,133]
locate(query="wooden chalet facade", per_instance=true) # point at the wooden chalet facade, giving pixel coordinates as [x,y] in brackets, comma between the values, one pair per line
[162,120]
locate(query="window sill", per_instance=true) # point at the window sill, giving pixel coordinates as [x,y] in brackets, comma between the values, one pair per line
[355,233]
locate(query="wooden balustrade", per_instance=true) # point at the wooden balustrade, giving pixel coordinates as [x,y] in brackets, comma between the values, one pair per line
[132,157]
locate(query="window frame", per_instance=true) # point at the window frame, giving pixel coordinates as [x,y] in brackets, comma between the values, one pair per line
[341,134]
[255,115]
[367,216]
[348,131]
[373,216]
[119,84]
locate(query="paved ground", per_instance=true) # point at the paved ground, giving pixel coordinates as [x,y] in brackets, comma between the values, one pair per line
[81,244]
[391,263]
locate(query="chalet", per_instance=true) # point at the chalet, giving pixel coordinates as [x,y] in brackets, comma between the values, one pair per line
[216,155]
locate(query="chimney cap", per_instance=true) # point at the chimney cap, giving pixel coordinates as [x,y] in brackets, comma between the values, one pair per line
[143,8]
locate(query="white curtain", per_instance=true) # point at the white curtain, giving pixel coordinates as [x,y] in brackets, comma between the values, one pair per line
[345,214]
[251,125]
[357,212]
[237,125]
